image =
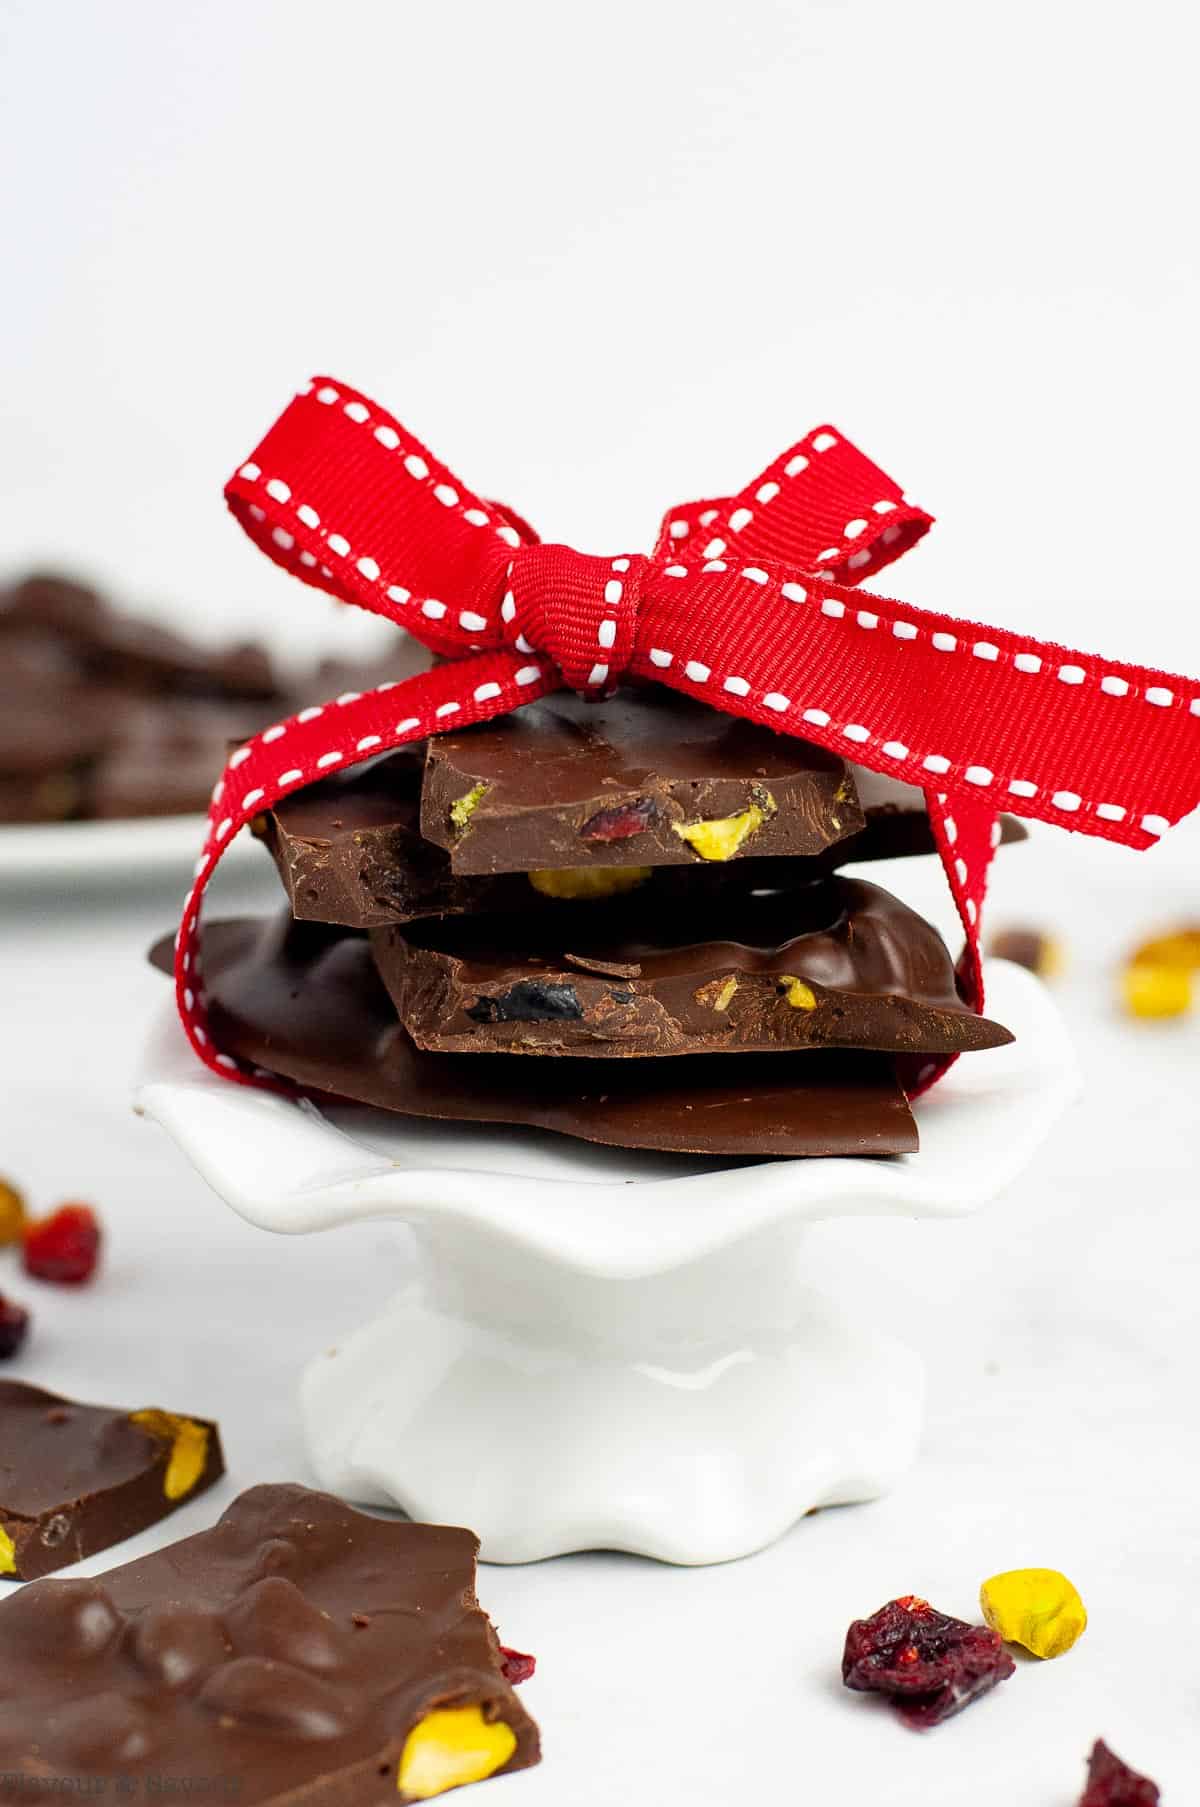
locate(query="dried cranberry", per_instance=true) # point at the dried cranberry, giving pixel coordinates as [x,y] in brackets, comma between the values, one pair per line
[1111,1783]
[63,1247]
[516,1667]
[621,823]
[14,1325]
[930,1665]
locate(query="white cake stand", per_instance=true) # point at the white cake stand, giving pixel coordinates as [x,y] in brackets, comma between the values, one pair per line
[601,1349]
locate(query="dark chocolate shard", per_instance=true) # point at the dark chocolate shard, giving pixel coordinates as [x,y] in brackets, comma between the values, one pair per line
[834,964]
[75,1478]
[647,779]
[297,1651]
[307,1002]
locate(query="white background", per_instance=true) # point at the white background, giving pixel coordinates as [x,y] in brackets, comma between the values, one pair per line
[604,259]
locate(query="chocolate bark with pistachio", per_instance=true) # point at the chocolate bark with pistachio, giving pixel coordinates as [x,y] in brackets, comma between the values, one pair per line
[76,1478]
[646,779]
[833,964]
[306,1001]
[297,1652]
[349,849]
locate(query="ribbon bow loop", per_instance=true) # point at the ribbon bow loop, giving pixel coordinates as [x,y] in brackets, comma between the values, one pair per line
[749,604]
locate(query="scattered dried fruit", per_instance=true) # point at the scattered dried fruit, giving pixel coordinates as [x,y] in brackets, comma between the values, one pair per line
[1112,1783]
[1036,1608]
[1155,992]
[621,823]
[14,1327]
[517,1666]
[12,1213]
[1033,949]
[588,881]
[64,1247]
[931,1666]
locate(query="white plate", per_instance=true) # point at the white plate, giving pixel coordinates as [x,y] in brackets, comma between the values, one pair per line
[611,1350]
[146,848]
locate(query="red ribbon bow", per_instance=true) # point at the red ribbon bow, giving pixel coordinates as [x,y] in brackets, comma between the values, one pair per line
[747,602]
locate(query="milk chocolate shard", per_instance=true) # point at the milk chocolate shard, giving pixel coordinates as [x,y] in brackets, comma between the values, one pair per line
[833,964]
[647,779]
[307,1002]
[297,1651]
[75,1478]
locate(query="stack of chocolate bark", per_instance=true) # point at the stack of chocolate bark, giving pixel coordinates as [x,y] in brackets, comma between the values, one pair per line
[107,715]
[622,921]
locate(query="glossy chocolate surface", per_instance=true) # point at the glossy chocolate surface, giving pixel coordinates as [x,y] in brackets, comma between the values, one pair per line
[624,977]
[284,1656]
[76,1478]
[308,1003]
[564,783]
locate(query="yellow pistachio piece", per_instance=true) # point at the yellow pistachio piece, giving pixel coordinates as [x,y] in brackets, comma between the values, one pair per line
[189,1448]
[799,995]
[8,1554]
[588,881]
[718,994]
[1155,990]
[720,838]
[12,1213]
[452,1746]
[1179,948]
[1036,1608]
[463,808]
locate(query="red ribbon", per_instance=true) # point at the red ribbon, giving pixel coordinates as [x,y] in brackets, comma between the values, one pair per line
[747,602]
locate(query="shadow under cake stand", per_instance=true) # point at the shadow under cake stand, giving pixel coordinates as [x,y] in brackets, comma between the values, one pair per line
[606,1350]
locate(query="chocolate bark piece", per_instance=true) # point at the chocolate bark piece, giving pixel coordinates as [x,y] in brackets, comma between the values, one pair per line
[647,779]
[298,1651]
[832,964]
[307,1002]
[76,1478]
[349,850]
[165,760]
[130,650]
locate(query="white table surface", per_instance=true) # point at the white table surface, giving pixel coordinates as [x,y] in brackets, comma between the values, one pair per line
[1061,1330]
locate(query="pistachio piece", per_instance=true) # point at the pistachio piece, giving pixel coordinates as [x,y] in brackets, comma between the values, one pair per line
[463,808]
[12,1213]
[189,1448]
[8,1554]
[1152,989]
[450,1747]
[588,881]
[1036,1608]
[718,994]
[799,995]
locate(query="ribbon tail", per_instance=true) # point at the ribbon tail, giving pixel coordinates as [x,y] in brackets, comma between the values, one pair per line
[325,739]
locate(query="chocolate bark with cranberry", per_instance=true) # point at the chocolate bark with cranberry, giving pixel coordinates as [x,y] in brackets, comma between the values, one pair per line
[834,964]
[76,1478]
[297,1651]
[647,779]
[307,1002]
[349,849]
